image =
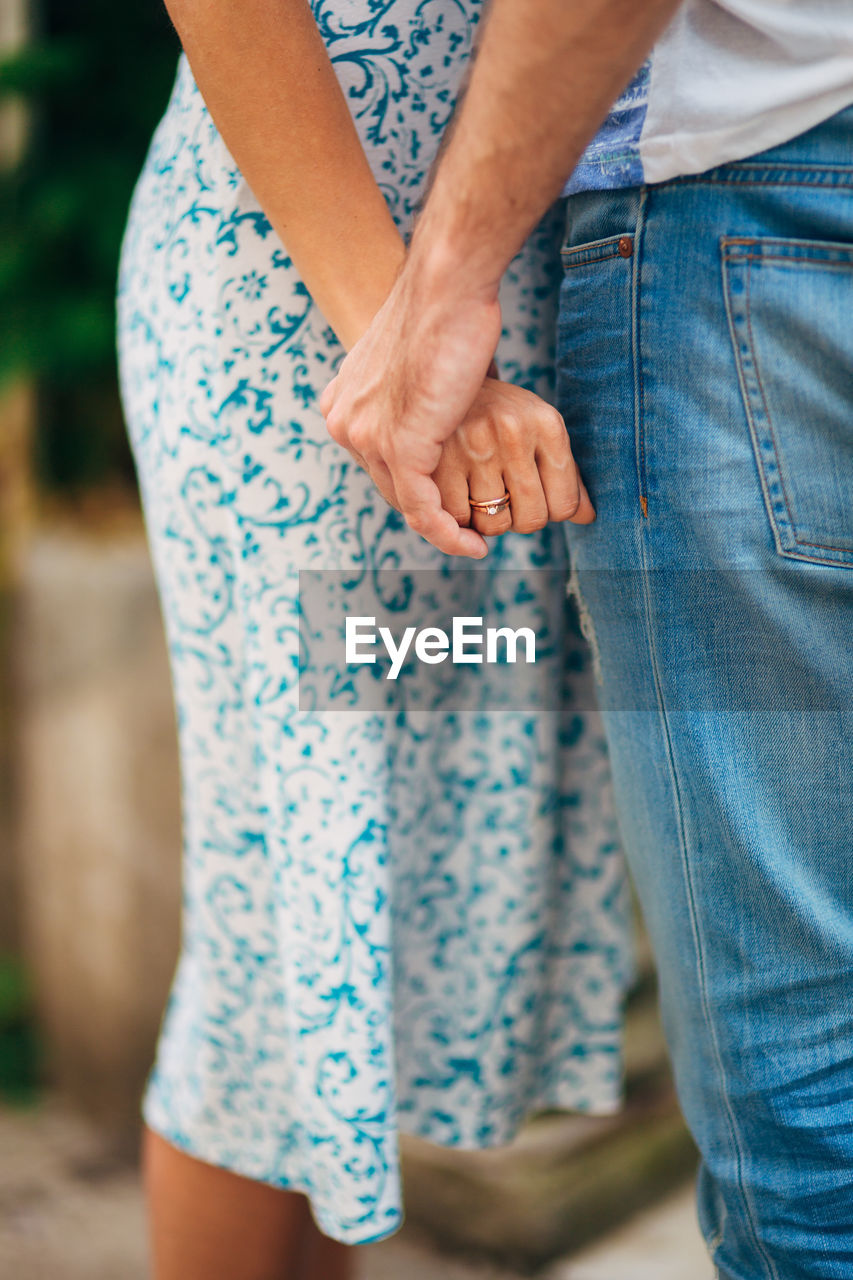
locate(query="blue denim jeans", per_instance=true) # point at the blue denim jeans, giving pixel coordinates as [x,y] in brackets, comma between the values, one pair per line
[706,379]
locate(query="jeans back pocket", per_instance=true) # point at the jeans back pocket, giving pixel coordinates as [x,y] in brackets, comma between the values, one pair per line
[790,312]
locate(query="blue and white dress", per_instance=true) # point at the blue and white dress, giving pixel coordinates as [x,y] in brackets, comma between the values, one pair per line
[392,919]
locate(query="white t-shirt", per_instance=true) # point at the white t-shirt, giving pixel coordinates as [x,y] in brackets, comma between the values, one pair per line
[728,78]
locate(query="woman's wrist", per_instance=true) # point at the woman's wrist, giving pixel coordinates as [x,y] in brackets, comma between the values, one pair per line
[350,282]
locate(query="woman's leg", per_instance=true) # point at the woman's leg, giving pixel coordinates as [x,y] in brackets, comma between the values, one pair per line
[206,1223]
[326,1259]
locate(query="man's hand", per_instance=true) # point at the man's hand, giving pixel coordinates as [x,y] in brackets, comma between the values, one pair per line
[403,390]
[395,406]
[540,85]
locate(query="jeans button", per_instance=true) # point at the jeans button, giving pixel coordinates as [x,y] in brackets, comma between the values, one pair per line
[626,246]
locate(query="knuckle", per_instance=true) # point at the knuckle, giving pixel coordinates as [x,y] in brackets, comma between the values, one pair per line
[513,427]
[516,440]
[335,424]
[565,506]
[480,438]
[511,421]
[530,517]
[359,438]
[558,458]
[530,524]
[553,425]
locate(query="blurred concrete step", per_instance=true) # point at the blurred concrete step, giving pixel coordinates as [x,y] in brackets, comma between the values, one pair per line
[68,1209]
[408,1256]
[662,1243]
[568,1179]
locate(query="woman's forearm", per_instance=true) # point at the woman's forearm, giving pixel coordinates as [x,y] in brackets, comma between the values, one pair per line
[266,77]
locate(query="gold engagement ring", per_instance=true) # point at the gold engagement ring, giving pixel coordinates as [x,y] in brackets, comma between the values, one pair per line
[490,506]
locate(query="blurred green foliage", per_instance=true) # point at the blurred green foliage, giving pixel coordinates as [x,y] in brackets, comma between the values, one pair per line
[96,77]
[19,1047]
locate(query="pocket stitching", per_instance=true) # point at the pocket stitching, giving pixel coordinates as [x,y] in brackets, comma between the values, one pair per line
[734,245]
[768,419]
[597,251]
[730,262]
[588,262]
[818,546]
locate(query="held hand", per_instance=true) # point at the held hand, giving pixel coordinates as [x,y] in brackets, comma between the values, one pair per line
[511,441]
[403,390]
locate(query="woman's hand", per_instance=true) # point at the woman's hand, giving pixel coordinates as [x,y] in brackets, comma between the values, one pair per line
[511,440]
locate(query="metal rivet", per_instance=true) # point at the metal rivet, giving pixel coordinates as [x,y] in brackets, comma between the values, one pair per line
[626,246]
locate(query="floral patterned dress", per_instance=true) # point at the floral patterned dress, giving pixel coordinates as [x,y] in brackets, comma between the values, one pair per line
[410,918]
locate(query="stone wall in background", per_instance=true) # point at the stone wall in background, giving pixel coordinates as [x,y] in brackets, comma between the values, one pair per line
[97,831]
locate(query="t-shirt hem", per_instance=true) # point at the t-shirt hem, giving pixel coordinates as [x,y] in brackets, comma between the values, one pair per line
[676,155]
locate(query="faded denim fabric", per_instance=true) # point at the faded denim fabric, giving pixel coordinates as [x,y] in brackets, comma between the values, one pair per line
[612,158]
[705,365]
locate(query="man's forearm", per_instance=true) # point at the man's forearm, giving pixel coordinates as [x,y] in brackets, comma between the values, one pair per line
[545,76]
